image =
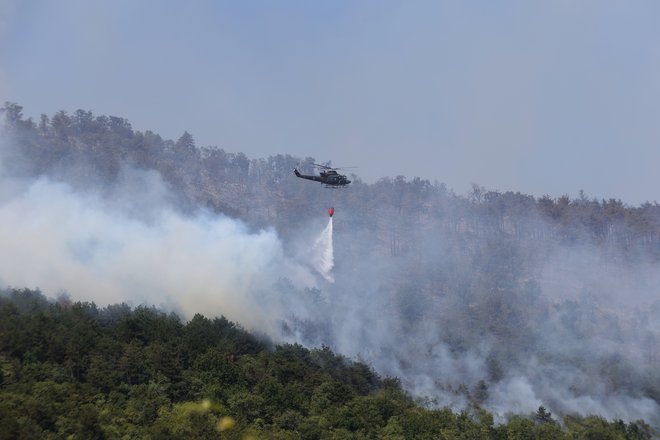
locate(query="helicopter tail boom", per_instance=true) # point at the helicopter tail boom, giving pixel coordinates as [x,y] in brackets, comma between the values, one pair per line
[304,176]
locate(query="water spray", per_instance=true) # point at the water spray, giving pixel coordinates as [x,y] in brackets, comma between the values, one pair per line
[323,258]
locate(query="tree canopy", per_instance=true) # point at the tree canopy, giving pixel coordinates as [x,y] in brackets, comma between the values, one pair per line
[73,370]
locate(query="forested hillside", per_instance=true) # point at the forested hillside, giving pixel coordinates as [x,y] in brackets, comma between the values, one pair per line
[497,299]
[73,370]
[84,149]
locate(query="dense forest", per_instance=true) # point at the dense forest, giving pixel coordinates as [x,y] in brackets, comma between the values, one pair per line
[486,303]
[73,370]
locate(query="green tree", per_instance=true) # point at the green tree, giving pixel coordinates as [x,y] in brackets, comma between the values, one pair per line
[543,416]
[520,429]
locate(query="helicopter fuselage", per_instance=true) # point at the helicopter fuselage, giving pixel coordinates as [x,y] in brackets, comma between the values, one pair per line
[330,178]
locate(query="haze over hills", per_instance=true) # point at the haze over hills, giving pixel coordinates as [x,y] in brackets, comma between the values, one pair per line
[500,299]
[541,97]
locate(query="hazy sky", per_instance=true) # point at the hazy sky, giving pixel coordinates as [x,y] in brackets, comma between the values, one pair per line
[542,97]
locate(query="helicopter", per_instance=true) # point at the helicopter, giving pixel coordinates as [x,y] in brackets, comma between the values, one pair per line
[327,175]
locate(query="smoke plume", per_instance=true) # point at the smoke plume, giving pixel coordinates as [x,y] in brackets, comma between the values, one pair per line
[575,332]
[133,247]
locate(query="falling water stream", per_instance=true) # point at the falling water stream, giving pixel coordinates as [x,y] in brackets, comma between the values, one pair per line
[324,259]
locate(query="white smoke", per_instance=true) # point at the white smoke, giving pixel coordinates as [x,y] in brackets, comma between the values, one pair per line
[133,247]
[575,338]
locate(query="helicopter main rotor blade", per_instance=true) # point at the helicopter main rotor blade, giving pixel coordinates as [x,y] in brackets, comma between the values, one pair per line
[333,168]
